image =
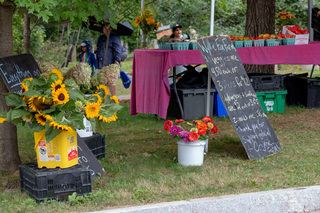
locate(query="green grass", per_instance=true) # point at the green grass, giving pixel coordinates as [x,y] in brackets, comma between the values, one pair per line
[141,164]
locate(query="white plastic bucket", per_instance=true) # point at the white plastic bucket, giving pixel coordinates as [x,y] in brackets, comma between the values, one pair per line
[191,153]
[87,131]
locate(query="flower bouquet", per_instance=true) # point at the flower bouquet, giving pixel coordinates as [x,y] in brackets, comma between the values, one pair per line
[190,132]
[53,104]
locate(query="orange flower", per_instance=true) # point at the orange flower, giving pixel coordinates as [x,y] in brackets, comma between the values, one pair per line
[202,126]
[150,21]
[137,21]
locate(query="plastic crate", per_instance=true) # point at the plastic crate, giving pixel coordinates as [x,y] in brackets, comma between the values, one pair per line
[258,43]
[247,43]
[269,42]
[193,46]
[272,101]
[97,145]
[303,91]
[288,41]
[280,40]
[161,46]
[219,109]
[180,45]
[266,82]
[167,46]
[315,21]
[238,44]
[193,101]
[55,184]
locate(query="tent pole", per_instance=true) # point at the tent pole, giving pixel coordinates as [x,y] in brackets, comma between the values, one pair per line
[310,29]
[209,77]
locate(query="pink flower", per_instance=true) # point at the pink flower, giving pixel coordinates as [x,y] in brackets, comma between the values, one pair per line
[214,129]
[175,130]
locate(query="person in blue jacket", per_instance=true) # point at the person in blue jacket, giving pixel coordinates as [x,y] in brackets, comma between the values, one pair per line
[87,56]
[114,48]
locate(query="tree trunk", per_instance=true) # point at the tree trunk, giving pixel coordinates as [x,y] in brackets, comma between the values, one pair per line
[260,19]
[9,152]
[26,33]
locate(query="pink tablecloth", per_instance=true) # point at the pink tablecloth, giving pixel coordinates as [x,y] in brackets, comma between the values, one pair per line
[150,92]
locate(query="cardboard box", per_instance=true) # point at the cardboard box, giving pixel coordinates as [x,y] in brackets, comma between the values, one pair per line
[300,38]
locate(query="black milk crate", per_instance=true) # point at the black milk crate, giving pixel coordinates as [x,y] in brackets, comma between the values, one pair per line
[97,145]
[193,101]
[303,91]
[55,184]
[267,82]
[315,19]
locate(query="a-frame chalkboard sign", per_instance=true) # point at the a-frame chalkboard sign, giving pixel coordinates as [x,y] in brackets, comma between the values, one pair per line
[14,69]
[238,96]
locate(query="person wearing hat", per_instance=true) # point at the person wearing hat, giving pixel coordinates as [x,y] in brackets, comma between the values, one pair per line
[87,56]
[176,35]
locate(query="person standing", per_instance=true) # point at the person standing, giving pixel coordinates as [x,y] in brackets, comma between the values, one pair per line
[113,52]
[87,56]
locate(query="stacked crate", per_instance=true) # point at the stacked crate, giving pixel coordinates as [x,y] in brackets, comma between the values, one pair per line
[303,90]
[270,91]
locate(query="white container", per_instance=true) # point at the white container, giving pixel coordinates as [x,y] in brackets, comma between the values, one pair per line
[191,153]
[87,131]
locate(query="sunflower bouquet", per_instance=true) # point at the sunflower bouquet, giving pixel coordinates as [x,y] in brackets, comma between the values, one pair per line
[190,132]
[147,21]
[52,104]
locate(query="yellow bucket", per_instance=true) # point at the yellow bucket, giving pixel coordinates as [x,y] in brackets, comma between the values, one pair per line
[61,152]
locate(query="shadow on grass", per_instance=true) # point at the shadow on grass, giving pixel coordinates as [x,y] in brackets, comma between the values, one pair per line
[226,146]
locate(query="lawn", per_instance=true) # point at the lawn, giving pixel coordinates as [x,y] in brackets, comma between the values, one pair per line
[141,164]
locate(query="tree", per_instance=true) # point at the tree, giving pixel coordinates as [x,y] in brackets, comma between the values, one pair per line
[45,11]
[260,19]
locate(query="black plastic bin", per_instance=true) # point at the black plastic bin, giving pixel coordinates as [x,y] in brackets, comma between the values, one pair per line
[267,82]
[303,91]
[194,103]
[96,144]
[56,184]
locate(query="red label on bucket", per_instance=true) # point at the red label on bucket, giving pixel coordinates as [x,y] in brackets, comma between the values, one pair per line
[73,154]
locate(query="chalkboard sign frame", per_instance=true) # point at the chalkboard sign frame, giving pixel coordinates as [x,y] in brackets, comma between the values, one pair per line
[14,69]
[238,96]
[87,159]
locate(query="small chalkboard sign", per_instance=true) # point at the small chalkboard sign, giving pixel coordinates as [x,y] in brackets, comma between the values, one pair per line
[87,159]
[238,96]
[14,69]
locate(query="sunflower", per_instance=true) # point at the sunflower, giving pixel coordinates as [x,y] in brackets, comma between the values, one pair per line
[57,85]
[150,21]
[99,101]
[115,99]
[58,73]
[60,96]
[109,119]
[41,119]
[104,90]
[24,87]
[137,21]
[58,126]
[92,110]
[2,120]
[32,102]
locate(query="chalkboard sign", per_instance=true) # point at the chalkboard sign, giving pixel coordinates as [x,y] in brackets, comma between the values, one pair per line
[14,69]
[87,159]
[238,96]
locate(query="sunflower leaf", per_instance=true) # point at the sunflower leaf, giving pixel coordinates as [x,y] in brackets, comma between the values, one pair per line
[51,133]
[31,93]
[94,124]
[16,114]
[77,120]
[76,94]
[36,127]
[14,99]
[69,106]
